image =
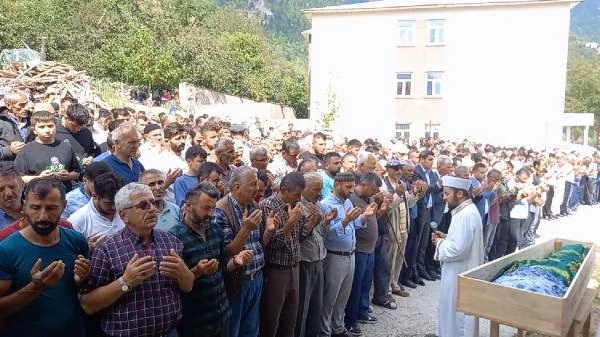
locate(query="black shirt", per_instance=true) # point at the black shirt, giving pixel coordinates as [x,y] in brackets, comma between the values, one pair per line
[82,142]
[36,157]
[317,158]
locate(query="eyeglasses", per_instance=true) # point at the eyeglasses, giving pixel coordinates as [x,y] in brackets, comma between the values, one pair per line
[146,204]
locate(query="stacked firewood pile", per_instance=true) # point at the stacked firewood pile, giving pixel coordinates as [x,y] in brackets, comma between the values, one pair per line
[47,81]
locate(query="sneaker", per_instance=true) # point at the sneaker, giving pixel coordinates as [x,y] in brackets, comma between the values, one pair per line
[367,319]
[355,330]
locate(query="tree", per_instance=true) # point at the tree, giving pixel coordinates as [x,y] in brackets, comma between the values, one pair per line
[583,90]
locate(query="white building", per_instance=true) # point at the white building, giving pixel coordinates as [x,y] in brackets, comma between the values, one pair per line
[488,70]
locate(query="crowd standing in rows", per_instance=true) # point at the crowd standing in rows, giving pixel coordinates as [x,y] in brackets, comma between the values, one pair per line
[122,223]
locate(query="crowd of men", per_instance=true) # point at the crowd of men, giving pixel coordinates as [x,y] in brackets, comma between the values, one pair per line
[122,223]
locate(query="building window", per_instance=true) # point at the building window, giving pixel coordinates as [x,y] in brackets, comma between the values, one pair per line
[436,31]
[403,131]
[406,33]
[403,84]
[434,83]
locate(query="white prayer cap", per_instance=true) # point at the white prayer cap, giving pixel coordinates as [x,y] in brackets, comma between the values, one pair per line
[455,182]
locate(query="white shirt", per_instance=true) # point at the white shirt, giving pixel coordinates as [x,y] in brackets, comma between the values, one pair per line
[89,222]
[164,162]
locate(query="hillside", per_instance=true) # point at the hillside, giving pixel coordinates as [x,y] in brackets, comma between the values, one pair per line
[585,20]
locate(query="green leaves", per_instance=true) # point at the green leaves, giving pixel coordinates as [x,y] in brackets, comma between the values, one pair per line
[160,43]
[583,87]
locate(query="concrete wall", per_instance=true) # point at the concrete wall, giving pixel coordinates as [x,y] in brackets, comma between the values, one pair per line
[504,72]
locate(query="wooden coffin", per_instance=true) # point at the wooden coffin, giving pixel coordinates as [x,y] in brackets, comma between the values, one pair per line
[546,315]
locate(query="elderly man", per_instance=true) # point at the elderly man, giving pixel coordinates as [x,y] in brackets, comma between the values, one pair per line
[41,268]
[391,243]
[259,157]
[340,243]
[366,162]
[242,223]
[225,154]
[168,212]
[348,163]
[137,274]
[458,251]
[206,308]
[312,256]
[123,160]
[14,125]
[11,188]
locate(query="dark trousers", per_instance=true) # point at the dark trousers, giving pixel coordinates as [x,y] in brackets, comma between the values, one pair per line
[515,234]
[587,190]
[358,302]
[424,264]
[564,207]
[311,299]
[548,204]
[280,302]
[412,248]
[382,272]
[500,240]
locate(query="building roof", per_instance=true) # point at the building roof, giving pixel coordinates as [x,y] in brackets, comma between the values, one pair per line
[386,5]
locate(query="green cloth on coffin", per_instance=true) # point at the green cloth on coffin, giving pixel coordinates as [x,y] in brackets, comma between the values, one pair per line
[563,263]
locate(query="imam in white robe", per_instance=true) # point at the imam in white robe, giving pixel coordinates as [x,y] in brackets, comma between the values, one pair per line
[460,251]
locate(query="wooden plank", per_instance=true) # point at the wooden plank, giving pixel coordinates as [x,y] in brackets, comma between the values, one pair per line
[577,289]
[494,329]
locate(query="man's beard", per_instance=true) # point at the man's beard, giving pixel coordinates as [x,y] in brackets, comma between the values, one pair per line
[42,228]
[200,223]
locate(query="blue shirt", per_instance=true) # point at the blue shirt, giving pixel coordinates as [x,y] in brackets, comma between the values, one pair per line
[327,185]
[338,238]
[5,219]
[56,311]
[181,186]
[129,174]
[102,156]
[76,199]
[169,217]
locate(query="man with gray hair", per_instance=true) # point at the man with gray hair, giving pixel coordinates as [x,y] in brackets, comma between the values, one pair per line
[243,225]
[14,125]
[123,160]
[365,163]
[137,274]
[312,256]
[225,154]
[259,157]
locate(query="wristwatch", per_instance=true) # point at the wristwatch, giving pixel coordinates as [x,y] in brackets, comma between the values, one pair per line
[125,287]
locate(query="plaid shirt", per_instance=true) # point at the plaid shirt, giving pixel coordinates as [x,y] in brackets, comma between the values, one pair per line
[150,309]
[282,250]
[254,239]
[206,307]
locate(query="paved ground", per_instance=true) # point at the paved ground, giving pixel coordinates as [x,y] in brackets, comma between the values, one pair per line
[417,314]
